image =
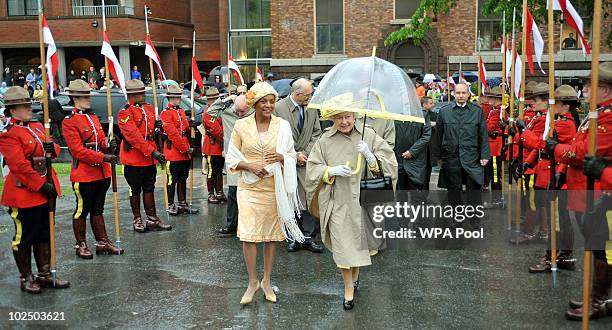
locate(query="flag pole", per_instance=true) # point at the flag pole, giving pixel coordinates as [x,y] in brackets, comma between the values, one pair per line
[192,115]
[480,82]
[109,108]
[448,77]
[256,66]
[159,142]
[503,137]
[592,150]
[47,126]
[511,122]
[521,105]
[551,129]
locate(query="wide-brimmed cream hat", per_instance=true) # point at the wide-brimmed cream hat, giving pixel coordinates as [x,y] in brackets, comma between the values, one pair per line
[258,91]
[336,104]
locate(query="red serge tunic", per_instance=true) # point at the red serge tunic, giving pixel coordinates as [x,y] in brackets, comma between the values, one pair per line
[494,131]
[176,127]
[19,143]
[566,130]
[87,161]
[215,127]
[530,140]
[572,154]
[137,125]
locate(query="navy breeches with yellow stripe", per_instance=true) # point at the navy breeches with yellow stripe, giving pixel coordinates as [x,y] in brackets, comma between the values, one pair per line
[31,226]
[90,197]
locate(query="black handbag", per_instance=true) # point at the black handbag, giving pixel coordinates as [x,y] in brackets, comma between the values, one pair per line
[376,190]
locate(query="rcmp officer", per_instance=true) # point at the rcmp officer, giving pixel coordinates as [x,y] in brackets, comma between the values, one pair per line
[494,167]
[565,129]
[573,154]
[90,173]
[535,203]
[212,147]
[27,192]
[177,150]
[139,155]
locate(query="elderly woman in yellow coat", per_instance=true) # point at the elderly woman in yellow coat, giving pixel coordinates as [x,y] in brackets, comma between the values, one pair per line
[261,151]
[342,227]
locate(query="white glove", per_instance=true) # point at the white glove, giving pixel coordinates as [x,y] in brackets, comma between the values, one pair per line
[363,148]
[340,170]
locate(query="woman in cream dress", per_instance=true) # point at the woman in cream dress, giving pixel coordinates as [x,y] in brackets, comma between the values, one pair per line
[261,151]
[342,227]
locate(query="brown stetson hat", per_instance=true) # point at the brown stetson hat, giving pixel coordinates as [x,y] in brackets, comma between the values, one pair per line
[134,86]
[605,73]
[78,87]
[212,93]
[16,95]
[529,87]
[566,93]
[495,92]
[173,91]
[540,89]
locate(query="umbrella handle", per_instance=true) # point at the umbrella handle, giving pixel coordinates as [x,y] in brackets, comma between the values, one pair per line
[358,167]
[380,100]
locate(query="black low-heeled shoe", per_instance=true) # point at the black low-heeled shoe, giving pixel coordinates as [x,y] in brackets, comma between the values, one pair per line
[356,285]
[348,304]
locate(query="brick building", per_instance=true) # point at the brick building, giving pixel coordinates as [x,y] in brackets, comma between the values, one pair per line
[77,29]
[290,38]
[309,37]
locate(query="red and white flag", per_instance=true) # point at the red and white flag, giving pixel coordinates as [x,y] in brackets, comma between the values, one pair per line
[152,53]
[231,65]
[113,64]
[538,42]
[195,72]
[483,75]
[508,65]
[518,67]
[259,74]
[52,58]
[573,19]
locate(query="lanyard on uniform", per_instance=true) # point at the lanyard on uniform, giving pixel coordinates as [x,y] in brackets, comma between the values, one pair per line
[93,127]
[144,114]
[34,135]
[180,120]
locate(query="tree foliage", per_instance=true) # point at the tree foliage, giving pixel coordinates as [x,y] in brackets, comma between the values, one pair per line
[428,9]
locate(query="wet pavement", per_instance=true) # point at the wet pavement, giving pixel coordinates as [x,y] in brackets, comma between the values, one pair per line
[191,277]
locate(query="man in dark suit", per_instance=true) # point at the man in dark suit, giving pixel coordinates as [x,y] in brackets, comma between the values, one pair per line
[462,147]
[306,130]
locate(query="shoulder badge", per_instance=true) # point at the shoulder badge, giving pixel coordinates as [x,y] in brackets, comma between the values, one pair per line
[124,120]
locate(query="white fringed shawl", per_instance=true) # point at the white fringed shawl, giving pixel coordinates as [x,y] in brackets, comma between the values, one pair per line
[285,182]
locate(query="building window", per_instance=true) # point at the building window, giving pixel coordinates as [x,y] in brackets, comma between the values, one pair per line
[489,30]
[22,7]
[249,14]
[404,9]
[250,35]
[330,27]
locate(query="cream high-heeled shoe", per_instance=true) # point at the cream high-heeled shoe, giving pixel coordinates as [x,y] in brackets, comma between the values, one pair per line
[248,299]
[271,298]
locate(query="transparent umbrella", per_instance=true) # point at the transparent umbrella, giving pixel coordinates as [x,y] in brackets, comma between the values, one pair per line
[371,87]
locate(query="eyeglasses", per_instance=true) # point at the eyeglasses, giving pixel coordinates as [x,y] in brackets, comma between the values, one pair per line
[309,95]
[241,93]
